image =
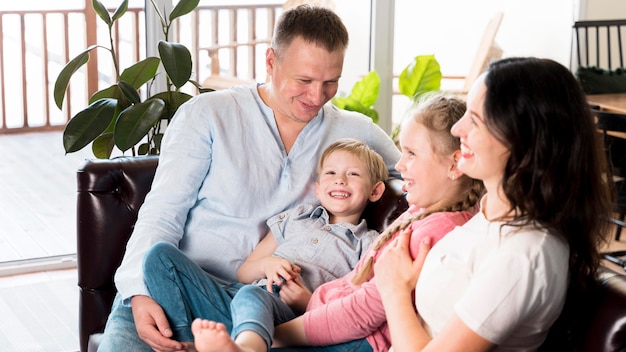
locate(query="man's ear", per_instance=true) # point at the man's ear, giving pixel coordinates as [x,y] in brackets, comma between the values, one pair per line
[377,191]
[270,61]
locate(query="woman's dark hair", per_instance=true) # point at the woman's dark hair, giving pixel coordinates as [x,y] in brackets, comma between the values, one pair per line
[555,177]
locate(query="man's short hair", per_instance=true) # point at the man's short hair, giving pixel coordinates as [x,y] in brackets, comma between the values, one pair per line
[314,24]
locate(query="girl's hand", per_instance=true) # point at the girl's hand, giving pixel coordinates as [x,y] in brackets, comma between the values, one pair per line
[295,294]
[395,270]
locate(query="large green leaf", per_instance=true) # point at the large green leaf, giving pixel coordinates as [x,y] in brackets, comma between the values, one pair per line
[200,88]
[141,72]
[183,7]
[129,92]
[421,75]
[135,122]
[110,92]
[102,11]
[88,124]
[103,145]
[63,79]
[121,10]
[366,90]
[113,92]
[351,104]
[176,61]
[173,100]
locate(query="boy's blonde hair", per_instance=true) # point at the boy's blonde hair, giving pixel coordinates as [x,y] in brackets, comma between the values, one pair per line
[376,168]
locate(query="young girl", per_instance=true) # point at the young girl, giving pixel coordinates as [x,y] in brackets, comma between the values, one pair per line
[500,281]
[347,314]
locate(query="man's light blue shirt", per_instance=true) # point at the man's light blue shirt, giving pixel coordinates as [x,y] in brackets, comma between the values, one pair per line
[223,171]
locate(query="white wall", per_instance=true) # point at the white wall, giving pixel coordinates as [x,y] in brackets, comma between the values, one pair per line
[452,29]
[602,9]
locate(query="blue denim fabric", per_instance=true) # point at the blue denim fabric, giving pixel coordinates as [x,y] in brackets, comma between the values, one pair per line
[120,331]
[185,291]
[255,309]
[353,346]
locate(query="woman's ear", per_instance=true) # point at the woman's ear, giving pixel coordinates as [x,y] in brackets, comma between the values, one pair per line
[377,191]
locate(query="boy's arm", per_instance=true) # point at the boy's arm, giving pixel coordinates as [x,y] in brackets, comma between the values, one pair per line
[262,264]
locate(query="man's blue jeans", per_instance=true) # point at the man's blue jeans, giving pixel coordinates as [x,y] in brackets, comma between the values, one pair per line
[185,291]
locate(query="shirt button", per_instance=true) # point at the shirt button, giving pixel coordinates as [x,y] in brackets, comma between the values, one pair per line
[314,240]
[281,216]
[327,227]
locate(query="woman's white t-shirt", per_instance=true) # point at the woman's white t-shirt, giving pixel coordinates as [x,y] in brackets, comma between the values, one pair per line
[506,284]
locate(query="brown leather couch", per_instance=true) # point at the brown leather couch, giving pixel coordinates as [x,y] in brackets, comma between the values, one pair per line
[110,193]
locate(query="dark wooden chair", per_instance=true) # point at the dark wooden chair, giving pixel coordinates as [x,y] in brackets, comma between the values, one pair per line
[599,58]
[613,128]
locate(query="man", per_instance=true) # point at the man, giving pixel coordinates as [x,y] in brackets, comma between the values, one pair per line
[233,158]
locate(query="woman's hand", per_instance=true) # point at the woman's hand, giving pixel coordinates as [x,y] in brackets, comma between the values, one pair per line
[395,270]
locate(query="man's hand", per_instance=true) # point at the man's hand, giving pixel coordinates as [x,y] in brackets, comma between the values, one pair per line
[295,294]
[152,325]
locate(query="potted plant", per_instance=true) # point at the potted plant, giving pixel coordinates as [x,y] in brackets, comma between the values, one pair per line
[116,116]
[421,75]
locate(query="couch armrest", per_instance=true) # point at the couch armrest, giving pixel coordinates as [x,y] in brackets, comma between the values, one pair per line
[110,192]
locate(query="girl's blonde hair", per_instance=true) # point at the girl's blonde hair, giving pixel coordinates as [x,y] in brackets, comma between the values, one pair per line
[437,113]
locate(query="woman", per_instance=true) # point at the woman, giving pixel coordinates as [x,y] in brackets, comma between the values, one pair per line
[500,281]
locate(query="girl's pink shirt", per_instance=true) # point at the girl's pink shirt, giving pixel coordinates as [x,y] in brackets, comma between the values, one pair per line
[340,311]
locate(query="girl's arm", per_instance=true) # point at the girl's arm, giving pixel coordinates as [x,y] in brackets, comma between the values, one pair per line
[290,333]
[361,313]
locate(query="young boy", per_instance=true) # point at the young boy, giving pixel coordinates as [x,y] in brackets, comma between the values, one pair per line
[309,244]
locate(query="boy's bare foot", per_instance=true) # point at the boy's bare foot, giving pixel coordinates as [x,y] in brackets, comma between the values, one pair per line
[211,336]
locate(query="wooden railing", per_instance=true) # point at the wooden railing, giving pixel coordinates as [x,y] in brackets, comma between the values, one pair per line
[225,41]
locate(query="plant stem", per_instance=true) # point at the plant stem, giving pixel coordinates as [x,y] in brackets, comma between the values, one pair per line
[113,54]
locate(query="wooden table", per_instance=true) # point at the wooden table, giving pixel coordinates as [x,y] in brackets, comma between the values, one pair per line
[614,102]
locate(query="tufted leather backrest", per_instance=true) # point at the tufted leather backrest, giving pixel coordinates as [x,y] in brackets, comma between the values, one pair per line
[110,193]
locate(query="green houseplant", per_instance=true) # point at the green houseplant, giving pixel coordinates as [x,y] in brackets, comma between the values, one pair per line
[116,116]
[421,75]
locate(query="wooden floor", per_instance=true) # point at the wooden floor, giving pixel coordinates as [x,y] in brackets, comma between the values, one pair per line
[39,312]
[37,196]
[37,220]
